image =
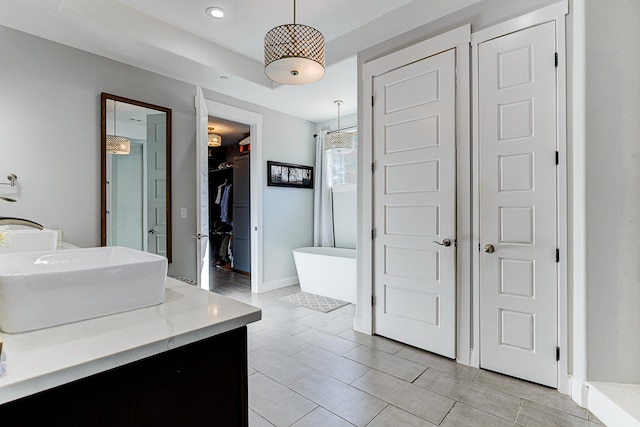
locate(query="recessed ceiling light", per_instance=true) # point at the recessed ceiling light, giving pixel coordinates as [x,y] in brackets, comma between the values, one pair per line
[216,12]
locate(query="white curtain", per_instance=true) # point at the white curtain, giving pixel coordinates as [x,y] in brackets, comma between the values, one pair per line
[322,208]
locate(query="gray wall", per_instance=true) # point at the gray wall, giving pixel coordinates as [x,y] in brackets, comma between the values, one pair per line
[50,132]
[613,196]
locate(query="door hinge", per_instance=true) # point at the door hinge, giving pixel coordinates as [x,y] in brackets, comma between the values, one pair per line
[373,167]
[373,300]
[557,255]
[556,59]
[557,354]
[372,100]
[373,233]
[557,158]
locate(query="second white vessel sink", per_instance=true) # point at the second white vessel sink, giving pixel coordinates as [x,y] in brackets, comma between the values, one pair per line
[49,288]
[30,239]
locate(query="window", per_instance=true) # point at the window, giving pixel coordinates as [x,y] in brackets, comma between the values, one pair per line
[343,166]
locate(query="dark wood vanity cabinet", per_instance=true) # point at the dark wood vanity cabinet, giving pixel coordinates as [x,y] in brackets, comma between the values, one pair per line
[198,384]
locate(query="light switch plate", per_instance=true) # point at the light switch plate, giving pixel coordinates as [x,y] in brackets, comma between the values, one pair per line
[183,212]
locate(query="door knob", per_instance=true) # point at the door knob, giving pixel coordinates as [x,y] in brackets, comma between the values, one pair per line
[151,231]
[489,248]
[445,242]
[199,236]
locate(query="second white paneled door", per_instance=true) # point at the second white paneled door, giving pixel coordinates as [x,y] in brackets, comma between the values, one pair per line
[414,204]
[518,207]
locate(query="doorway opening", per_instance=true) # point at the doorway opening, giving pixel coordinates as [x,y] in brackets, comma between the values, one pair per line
[229,179]
[208,108]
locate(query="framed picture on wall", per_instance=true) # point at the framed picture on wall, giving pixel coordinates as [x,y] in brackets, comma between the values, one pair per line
[288,175]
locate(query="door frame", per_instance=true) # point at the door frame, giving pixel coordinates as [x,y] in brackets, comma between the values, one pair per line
[552,13]
[254,120]
[459,40]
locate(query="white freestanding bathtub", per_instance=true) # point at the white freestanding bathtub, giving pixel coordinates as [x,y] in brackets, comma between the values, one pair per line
[330,272]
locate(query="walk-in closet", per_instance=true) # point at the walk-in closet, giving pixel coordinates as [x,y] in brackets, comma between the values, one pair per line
[229,196]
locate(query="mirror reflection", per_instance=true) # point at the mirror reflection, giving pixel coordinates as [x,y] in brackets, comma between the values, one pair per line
[136,178]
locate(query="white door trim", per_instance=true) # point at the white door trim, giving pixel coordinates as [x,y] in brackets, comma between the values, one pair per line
[459,39]
[555,12]
[254,120]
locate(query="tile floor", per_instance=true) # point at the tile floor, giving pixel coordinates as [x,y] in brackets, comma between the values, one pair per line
[308,368]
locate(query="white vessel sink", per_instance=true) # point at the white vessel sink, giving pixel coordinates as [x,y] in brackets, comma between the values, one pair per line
[49,288]
[30,239]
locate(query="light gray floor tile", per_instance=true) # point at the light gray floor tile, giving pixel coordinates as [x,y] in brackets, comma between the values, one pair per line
[275,402]
[416,400]
[278,341]
[327,341]
[321,417]
[440,363]
[375,342]
[342,399]
[255,420]
[535,414]
[324,324]
[595,419]
[346,318]
[339,367]
[465,416]
[529,391]
[442,383]
[282,333]
[394,417]
[393,365]
[492,401]
[277,366]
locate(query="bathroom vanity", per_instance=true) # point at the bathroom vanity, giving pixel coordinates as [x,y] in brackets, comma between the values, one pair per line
[183,362]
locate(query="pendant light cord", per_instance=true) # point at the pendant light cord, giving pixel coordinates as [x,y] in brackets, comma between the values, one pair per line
[294,12]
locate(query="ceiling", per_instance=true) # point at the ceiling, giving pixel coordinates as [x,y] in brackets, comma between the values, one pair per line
[178,39]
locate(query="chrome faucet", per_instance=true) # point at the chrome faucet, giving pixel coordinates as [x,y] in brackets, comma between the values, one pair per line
[4,220]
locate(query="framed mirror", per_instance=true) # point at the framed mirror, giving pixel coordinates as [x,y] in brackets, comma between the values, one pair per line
[135,147]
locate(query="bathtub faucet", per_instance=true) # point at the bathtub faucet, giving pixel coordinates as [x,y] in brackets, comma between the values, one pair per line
[19,221]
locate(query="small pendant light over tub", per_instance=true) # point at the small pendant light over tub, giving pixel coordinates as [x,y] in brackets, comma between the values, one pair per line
[117,144]
[213,139]
[338,140]
[294,53]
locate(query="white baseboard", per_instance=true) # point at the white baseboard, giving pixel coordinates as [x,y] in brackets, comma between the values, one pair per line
[359,326]
[579,392]
[615,404]
[277,284]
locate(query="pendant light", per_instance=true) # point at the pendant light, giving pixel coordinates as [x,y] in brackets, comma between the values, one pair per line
[213,139]
[117,144]
[294,53]
[338,140]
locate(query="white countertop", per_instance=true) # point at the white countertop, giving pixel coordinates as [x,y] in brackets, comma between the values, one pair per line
[46,358]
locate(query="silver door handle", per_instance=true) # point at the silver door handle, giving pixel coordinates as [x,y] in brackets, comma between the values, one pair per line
[489,248]
[199,236]
[445,242]
[151,231]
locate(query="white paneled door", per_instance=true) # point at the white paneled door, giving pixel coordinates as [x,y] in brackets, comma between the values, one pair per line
[156,147]
[202,182]
[414,204]
[517,182]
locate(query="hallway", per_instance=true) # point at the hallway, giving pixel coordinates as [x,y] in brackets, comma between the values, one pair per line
[311,369]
